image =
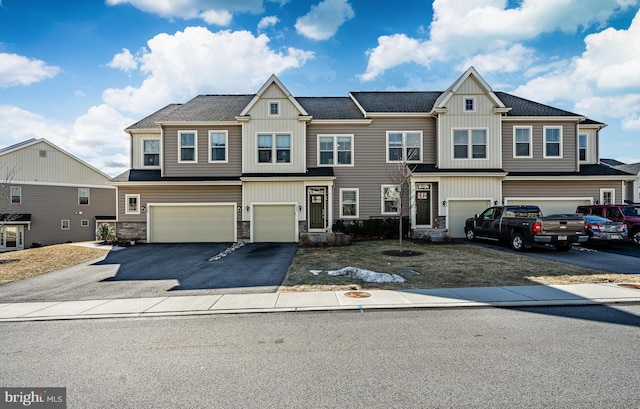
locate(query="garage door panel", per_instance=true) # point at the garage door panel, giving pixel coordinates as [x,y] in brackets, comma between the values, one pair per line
[461,210]
[548,207]
[183,224]
[274,223]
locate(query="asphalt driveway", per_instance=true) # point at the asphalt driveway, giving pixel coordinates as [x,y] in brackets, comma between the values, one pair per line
[151,270]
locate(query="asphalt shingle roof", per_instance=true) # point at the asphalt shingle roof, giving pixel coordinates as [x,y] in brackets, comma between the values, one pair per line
[150,121]
[330,107]
[585,170]
[524,107]
[392,101]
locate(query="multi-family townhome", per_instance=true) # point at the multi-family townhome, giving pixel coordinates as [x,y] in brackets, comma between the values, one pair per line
[272,167]
[49,196]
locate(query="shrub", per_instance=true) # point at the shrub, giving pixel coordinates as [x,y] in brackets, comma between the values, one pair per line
[105,232]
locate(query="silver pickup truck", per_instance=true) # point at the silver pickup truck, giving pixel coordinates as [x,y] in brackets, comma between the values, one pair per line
[523,225]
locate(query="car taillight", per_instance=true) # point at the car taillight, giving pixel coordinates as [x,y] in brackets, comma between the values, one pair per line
[536,227]
[595,226]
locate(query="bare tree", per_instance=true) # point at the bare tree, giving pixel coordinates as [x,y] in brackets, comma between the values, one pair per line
[7,203]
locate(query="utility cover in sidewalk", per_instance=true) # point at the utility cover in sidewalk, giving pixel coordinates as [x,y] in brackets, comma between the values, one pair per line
[357,294]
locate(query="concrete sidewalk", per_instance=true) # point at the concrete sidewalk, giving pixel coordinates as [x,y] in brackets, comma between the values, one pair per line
[516,296]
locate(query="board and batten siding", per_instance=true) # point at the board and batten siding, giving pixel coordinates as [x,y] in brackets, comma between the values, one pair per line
[286,122]
[592,144]
[202,167]
[561,188]
[489,188]
[42,163]
[137,149]
[276,192]
[370,170]
[48,205]
[567,163]
[175,194]
[483,117]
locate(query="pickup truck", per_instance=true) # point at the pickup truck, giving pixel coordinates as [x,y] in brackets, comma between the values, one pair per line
[523,225]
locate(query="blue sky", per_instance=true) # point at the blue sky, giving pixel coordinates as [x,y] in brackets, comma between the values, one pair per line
[78,73]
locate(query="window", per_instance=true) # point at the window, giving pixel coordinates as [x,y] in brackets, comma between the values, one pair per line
[187,144]
[349,203]
[390,199]
[582,146]
[552,142]
[335,150]
[84,223]
[266,151]
[83,196]
[16,194]
[522,142]
[132,203]
[64,224]
[274,108]
[607,196]
[404,146]
[217,146]
[469,104]
[469,143]
[151,152]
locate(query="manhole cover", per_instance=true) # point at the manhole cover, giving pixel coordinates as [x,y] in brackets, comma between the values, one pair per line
[634,286]
[357,294]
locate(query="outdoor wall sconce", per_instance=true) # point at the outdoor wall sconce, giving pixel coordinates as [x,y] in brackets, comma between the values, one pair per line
[495,202]
[299,208]
[143,208]
[248,208]
[444,202]
[239,208]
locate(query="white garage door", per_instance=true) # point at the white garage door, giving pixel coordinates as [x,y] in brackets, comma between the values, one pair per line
[461,210]
[274,223]
[192,223]
[552,206]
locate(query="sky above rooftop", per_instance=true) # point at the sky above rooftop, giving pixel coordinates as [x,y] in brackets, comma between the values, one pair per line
[78,73]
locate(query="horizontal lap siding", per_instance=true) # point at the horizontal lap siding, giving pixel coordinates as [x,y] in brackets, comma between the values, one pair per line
[568,188]
[202,167]
[370,170]
[176,194]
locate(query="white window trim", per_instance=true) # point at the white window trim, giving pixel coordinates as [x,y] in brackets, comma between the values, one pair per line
[469,143]
[274,149]
[84,223]
[530,128]
[226,145]
[357,215]
[335,149]
[586,147]
[159,155]
[126,204]
[19,195]
[404,147]
[88,196]
[269,108]
[464,104]
[613,195]
[63,222]
[544,141]
[382,188]
[195,148]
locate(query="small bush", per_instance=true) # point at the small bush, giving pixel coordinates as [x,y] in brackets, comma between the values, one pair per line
[372,228]
[105,232]
[35,245]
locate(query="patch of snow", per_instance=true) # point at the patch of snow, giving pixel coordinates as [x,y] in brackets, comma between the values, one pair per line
[315,272]
[228,250]
[367,275]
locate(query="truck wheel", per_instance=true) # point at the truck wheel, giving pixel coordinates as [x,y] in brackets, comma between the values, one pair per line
[562,247]
[635,236]
[471,235]
[518,243]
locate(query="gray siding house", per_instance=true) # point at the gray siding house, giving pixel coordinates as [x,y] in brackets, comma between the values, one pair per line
[48,196]
[270,167]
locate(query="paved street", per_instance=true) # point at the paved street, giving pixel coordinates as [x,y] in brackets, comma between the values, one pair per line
[563,357]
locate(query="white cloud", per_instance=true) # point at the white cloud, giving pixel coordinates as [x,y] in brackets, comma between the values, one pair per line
[267,22]
[218,12]
[480,27]
[324,19]
[196,60]
[19,70]
[506,60]
[123,61]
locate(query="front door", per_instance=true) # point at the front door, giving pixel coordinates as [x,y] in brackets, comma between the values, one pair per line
[11,237]
[317,208]
[423,204]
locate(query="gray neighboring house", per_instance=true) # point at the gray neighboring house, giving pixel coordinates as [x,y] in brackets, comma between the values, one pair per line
[50,196]
[273,167]
[633,189]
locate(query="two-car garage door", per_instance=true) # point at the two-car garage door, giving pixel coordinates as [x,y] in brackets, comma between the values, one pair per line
[192,223]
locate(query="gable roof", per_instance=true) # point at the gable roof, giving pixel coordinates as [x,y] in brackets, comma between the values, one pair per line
[150,121]
[524,107]
[17,146]
[470,72]
[395,101]
[331,107]
[273,80]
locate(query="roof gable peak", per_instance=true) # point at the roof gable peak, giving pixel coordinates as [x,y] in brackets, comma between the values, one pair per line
[453,88]
[273,80]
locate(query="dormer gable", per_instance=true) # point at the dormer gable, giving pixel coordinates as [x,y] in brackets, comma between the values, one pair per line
[471,83]
[268,101]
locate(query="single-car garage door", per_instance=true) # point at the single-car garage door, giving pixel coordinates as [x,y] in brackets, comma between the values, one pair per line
[461,210]
[274,223]
[552,206]
[192,223]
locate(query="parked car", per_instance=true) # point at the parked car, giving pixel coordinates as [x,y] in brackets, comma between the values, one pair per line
[627,214]
[523,225]
[605,231]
